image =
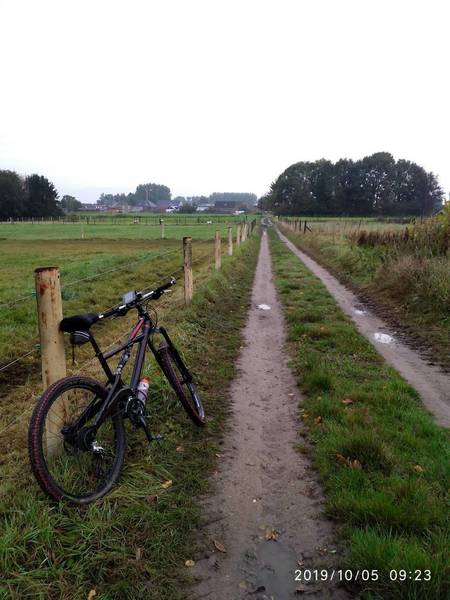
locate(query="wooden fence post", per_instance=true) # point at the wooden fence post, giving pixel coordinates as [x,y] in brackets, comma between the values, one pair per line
[244,232]
[230,241]
[162,228]
[217,250]
[187,264]
[238,235]
[49,306]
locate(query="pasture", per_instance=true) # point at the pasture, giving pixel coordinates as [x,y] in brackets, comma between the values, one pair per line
[95,273]
[137,539]
[118,228]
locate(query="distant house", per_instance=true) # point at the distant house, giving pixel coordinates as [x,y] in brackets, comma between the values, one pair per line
[147,206]
[204,207]
[86,207]
[120,207]
[226,206]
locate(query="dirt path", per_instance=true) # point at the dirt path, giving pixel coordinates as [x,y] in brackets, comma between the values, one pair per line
[264,486]
[431,382]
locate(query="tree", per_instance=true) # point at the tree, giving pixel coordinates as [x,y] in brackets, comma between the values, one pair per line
[375,185]
[152,192]
[70,203]
[12,195]
[41,197]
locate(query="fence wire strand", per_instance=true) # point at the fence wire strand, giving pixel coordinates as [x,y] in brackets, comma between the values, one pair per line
[179,270]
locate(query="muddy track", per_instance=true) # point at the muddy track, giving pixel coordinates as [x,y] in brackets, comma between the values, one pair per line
[265,519]
[431,382]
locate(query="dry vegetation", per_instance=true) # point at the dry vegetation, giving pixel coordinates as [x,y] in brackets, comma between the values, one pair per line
[406,269]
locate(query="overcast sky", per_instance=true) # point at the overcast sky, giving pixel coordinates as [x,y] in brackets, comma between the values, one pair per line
[218,95]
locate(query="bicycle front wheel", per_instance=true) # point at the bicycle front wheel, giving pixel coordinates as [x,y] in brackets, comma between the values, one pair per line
[65,468]
[175,370]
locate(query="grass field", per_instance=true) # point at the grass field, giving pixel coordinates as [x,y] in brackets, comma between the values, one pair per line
[134,543]
[410,281]
[384,464]
[104,249]
[120,230]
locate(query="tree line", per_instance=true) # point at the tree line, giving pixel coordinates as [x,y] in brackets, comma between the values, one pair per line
[374,185]
[31,196]
[145,193]
[160,194]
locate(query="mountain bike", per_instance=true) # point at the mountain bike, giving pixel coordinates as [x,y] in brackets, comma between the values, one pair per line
[76,437]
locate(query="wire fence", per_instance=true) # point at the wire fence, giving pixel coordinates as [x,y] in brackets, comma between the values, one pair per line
[129,265]
[19,358]
[36,347]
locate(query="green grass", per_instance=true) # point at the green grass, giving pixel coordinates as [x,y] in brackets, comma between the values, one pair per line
[384,464]
[130,545]
[413,288]
[114,231]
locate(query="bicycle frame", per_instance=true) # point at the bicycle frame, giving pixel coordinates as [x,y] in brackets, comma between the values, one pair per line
[141,335]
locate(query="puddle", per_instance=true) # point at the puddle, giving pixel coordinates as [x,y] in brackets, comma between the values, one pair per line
[383,338]
[263,307]
[273,571]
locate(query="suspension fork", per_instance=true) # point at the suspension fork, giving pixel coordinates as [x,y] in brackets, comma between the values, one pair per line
[187,377]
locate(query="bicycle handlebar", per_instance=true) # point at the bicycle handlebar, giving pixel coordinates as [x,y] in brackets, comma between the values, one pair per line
[139,297]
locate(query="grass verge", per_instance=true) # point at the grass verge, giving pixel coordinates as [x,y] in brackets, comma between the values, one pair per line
[410,288]
[134,543]
[384,464]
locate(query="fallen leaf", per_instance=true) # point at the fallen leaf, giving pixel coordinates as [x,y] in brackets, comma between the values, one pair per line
[302,589]
[272,534]
[152,498]
[318,420]
[180,449]
[218,456]
[243,585]
[139,553]
[189,563]
[167,484]
[418,469]
[91,595]
[341,459]
[220,547]
[347,401]
[356,465]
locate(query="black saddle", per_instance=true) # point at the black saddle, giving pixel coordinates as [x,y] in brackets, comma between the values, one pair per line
[78,322]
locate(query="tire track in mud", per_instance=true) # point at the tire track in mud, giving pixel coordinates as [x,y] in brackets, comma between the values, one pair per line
[431,382]
[267,509]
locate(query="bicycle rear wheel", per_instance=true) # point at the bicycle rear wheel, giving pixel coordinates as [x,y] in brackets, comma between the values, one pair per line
[64,468]
[174,369]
